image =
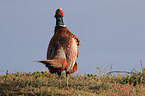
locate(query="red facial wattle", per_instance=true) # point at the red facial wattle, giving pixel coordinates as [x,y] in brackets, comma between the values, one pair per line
[61,13]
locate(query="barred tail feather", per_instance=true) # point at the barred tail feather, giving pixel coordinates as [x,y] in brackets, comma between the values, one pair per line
[51,63]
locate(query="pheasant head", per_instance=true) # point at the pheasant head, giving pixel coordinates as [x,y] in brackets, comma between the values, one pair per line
[59,17]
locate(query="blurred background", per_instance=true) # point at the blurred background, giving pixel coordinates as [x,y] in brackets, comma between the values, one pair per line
[112,32]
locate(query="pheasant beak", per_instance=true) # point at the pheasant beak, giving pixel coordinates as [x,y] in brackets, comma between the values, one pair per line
[60,9]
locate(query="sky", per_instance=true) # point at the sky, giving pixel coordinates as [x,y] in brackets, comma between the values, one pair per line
[112,32]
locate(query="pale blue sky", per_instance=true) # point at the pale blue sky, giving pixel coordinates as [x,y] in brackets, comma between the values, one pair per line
[110,31]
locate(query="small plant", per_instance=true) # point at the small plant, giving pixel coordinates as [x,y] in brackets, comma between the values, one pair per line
[135,78]
[46,84]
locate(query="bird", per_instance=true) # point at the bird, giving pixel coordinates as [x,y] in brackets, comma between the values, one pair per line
[63,49]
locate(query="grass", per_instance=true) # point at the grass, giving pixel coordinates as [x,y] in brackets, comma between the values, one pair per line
[46,84]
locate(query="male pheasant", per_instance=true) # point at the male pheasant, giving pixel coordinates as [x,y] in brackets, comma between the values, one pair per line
[63,49]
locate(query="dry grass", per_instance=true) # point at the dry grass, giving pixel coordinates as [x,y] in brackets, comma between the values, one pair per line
[46,84]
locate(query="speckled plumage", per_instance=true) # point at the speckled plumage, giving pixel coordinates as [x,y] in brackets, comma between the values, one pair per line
[65,39]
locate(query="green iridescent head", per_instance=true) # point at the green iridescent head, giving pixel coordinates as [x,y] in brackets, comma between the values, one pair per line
[59,17]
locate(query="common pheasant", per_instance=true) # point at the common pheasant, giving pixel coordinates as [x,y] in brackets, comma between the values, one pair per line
[63,49]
